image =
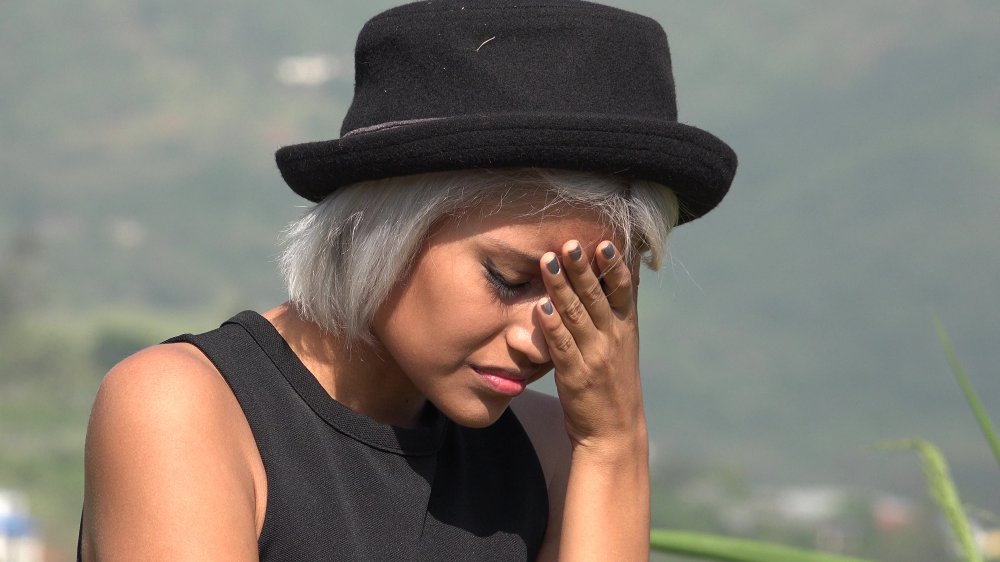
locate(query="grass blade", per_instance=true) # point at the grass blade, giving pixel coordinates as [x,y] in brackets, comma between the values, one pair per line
[970,393]
[943,492]
[714,547]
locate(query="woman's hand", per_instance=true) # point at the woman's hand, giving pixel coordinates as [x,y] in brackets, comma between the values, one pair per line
[590,326]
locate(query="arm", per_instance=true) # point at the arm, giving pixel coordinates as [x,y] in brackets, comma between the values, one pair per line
[171,469]
[592,336]
[606,513]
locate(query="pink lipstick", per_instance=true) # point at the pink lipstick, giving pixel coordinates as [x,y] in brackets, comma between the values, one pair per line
[502,381]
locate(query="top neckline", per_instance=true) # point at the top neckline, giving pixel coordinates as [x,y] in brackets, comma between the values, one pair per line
[425,439]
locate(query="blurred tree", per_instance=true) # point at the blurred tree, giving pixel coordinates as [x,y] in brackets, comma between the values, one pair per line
[18,266]
[115,342]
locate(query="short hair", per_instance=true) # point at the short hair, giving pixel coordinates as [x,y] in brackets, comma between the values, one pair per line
[344,256]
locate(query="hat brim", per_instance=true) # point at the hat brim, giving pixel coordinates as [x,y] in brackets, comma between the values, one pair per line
[696,165]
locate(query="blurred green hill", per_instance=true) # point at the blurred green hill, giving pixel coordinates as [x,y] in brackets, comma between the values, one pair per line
[790,328]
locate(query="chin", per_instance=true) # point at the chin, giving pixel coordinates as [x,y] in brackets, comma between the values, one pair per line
[475,414]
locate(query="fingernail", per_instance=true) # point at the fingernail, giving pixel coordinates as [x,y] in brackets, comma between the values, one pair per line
[609,251]
[547,307]
[553,266]
[576,253]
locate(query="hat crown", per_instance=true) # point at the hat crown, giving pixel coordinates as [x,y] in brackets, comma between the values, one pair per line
[445,58]
[446,85]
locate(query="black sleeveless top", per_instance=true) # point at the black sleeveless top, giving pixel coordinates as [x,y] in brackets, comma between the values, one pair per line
[341,486]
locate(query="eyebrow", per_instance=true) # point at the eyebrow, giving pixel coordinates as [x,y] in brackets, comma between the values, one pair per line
[520,254]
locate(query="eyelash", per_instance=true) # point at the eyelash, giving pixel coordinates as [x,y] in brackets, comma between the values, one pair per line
[501,286]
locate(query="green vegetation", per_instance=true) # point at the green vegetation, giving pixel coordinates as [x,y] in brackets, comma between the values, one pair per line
[940,486]
[970,393]
[945,495]
[735,550]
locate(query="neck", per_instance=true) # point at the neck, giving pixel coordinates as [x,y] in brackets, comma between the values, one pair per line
[360,376]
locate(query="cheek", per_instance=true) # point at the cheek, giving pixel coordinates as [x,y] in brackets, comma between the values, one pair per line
[440,315]
[437,299]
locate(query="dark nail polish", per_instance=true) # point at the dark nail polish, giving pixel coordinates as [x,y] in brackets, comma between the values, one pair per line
[609,251]
[576,253]
[547,307]
[553,266]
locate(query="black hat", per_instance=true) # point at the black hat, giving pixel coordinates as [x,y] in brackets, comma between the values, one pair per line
[448,85]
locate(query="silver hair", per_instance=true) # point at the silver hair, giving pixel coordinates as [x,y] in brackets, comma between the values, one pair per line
[343,258]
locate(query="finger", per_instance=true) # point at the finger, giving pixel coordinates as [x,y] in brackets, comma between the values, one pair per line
[563,350]
[586,284]
[617,278]
[574,315]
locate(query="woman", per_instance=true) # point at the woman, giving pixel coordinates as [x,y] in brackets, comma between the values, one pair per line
[499,177]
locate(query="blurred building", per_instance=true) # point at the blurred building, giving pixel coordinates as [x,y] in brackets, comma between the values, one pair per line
[989,542]
[314,70]
[19,541]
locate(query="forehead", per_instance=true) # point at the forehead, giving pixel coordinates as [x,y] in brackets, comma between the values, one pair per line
[527,224]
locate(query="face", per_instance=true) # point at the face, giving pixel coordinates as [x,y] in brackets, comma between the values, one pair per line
[462,327]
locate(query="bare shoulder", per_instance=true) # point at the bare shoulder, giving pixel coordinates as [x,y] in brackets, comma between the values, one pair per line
[165,394]
[165,376]
[171,471]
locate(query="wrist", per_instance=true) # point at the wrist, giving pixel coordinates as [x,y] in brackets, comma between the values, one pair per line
[618,450]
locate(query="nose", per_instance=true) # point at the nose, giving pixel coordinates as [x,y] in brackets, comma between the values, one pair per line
[524,335]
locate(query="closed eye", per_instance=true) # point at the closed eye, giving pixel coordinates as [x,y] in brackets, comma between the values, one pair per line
[504,288]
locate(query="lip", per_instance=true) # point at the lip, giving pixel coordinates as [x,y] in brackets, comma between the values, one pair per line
[503,381]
